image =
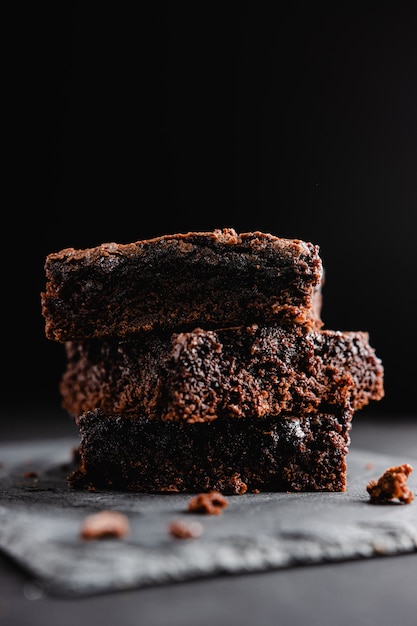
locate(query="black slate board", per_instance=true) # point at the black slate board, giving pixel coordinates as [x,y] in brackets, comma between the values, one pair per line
[41,517]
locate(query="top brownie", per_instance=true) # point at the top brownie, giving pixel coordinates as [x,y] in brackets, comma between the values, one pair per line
[180,281]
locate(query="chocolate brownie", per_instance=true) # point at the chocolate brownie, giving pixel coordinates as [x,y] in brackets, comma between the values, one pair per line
[181,281]
[202,375]
[296,453]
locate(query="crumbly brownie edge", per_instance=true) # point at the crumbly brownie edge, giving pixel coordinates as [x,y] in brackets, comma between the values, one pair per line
[234,373]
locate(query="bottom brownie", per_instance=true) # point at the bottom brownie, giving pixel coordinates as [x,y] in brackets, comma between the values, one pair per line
[128,453]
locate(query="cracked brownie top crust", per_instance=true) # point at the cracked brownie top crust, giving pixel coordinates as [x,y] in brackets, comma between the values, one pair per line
[181,281]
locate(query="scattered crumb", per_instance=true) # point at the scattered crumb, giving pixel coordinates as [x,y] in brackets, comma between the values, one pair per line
[369,466]
[211,503]
[185,530]
[31,474]
[105,524]
[392,485]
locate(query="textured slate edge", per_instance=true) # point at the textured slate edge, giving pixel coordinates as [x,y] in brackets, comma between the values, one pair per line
[118,566]
[38,531]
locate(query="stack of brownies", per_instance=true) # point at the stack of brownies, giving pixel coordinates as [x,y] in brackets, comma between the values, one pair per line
[199,361]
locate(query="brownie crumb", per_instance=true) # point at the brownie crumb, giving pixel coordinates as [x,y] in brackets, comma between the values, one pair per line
[239,487]
[211,503]
[30,474]
[392,485]
[105,524]
[185,530]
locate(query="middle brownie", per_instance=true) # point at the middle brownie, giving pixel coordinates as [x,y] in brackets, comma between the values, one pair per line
[203,375]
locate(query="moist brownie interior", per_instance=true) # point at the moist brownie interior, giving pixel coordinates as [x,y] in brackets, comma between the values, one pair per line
[295,453]
[178,282]
[230,373]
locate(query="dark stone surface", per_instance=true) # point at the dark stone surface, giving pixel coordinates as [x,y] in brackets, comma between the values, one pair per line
[40,521]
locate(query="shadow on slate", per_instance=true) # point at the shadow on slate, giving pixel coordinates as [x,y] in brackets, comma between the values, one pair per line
[41,517]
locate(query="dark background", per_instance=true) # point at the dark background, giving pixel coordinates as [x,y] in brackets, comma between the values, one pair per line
[128,124]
